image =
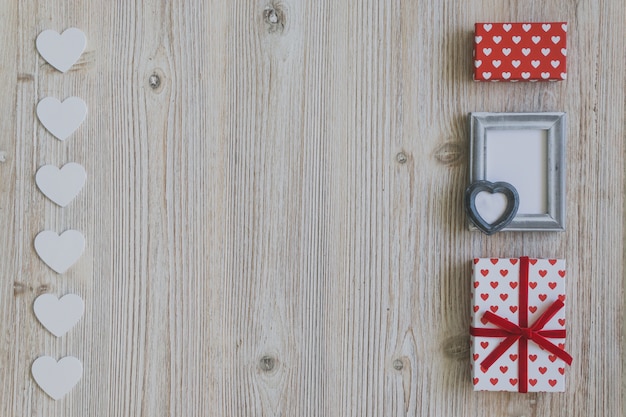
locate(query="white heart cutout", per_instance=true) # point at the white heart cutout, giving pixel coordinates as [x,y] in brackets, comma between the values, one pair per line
[60,252]
[57,378]
[61,50]
[61,185]
[61,119]
[59,315]
[490,206]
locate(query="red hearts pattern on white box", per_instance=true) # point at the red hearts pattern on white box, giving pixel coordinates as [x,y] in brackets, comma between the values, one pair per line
[495,288]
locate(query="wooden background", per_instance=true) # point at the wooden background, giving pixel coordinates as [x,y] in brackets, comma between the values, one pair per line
[274,206]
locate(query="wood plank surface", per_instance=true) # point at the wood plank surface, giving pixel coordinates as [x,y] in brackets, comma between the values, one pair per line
[273,210]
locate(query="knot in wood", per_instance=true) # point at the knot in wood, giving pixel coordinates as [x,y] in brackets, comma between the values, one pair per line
[43,288]
[267,363]
[274,17]
[449,153]
[457,347]
[154,81]
[398,364]
[3,156]
[19,288]
[401,158]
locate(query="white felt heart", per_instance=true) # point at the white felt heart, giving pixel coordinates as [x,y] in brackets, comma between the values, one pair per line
[490,206]
[58,315]
[61,185]
[61,50]
[61,119]
[60,252]
[57,378]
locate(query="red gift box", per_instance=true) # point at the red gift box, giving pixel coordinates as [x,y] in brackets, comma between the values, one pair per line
[520,51]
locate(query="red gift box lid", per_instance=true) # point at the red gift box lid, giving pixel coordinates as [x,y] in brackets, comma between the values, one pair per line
[520,51]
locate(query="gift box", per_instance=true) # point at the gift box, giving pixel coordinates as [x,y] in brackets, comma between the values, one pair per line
[518,325]
[520,51]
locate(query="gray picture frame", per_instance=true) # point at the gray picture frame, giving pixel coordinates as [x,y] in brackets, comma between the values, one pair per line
[554,123]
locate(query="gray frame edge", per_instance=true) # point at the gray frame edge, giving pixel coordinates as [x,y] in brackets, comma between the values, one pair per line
[555,124]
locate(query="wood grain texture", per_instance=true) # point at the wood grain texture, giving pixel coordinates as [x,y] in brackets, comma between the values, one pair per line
[276,228]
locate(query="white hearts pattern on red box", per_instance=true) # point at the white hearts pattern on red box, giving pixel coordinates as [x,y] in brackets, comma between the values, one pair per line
[495,288]
[520,51]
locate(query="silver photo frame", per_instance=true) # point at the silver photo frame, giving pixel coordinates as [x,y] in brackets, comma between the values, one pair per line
[528,151]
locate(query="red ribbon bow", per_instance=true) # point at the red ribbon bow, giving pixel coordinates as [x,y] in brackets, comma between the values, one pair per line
[522,333]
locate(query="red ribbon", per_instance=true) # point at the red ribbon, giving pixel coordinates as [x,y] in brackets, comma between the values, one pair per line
[522,333]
